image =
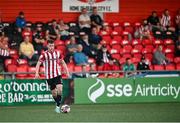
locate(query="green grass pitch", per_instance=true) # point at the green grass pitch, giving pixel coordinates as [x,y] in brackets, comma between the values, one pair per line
[88,113]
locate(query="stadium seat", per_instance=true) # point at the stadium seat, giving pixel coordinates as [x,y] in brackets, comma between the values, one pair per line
[149,56]
[135,60]
[117,38]
[146,42]
[59,42]
[168,42]
[138,47]
[11,68]
[114,51]
[116,56]
[70,67]
[114,42]
[126,50]
[126,55]
[8,61]
[158,67]
[91,60]
[78,68]
[151,47]
[107,39]
[118,29]
[146,50]
[170,67]
[114,33]
[100,68]
[136,42]
[178,66]
[125,42]
[22,62]
[157,42]
[31,75]
[22,68]
[14,53]
[116,46]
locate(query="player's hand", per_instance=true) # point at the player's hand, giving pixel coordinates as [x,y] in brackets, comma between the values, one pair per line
[36,76]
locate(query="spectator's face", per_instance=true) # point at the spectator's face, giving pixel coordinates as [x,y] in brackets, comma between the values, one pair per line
[61,22]
[85,38]
[154,14]
[73,40]
[39,28]
[84,11]
[51,46]
[92,67]
[166,12]
[129,61]
[95,11]
[94,31]
[22,16]
[160,48]
[26,39]
[104,49]
[54,23]
[80,48]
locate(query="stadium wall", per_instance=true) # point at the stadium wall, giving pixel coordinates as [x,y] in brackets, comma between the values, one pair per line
[45,10]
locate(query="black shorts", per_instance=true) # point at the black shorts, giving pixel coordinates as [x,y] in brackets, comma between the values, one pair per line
[54,81]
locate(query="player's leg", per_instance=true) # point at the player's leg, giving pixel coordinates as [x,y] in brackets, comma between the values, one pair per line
[59,93]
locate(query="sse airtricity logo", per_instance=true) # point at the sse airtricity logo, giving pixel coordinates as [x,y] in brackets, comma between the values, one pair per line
[94,93]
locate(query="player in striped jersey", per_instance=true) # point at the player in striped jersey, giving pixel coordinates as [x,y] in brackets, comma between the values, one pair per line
[51,60]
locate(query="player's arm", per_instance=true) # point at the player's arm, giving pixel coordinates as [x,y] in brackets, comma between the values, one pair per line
[65,67]
[37,69]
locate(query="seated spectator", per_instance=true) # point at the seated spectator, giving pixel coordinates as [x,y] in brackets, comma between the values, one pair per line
[128,66]
[177,47]
[154,21]
[159,57]
[26,51]
[96,20]
[143,32]
[92,71]
[27,32]
[20,21]
[84,21]
[4,49]
[94,37]
[106,30]
[166,21]
[79,57]
[143,64]
[63,30]
[71,49]
[39,40]
[177,22]
[1,28]
[52,31]
[88,49]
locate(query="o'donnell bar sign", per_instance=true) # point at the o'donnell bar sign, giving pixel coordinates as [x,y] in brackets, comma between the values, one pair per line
[102,5]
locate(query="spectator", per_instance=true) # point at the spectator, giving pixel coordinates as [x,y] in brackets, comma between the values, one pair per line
[39,40]
[166,21]
[87,47]
[53,31]
[177,47]
[94,37]
[71,49]
[84,21]
[63,30]
[128,66]
[154,21]
[92,71]
[79,57]
[177,22]
[143,32]
[96,20]
[20,21]
[27,32]
[143,64]
[26,51]
[159,57]
[1,28]
[4,49]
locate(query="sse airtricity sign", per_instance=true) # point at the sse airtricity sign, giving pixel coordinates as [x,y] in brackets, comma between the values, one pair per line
[127,90]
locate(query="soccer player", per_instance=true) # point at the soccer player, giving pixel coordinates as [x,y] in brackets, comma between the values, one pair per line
[51,60]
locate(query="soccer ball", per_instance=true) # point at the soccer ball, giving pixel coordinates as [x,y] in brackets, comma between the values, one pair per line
[65,108]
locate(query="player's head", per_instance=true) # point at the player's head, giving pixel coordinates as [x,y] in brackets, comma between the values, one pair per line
[50,45]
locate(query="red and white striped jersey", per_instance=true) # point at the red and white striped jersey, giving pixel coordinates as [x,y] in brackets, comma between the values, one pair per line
[51,62]
[4,52]
[165,20]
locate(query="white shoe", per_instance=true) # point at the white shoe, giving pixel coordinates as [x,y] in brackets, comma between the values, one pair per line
[57,109]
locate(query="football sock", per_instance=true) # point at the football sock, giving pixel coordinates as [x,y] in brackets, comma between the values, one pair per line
[55,99]
[58,100]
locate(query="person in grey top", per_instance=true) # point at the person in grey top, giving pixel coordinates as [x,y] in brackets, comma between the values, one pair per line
[159,57]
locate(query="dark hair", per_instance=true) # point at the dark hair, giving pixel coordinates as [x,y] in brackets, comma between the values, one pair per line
[154,12]
[21,13]
[127,59]
[50,41]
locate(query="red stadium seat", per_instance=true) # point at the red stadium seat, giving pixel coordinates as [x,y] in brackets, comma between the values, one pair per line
[157,42]
[116,56]
[177,60]
[178,66]
[146,42]
[70,67]
[113,42]
[126,50]
[158,67]
[139,47]
[114,51]
[117,47]
[107,39]
[91,60]
[149,56]
[22,62]
[59,42]
[117,38]
[11,68]
[8,61]
[14,53]
[114,33]
[170,67]
[146,50]
[136,42]
[22,68]
[168,42]
[31,69]
[78,68]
